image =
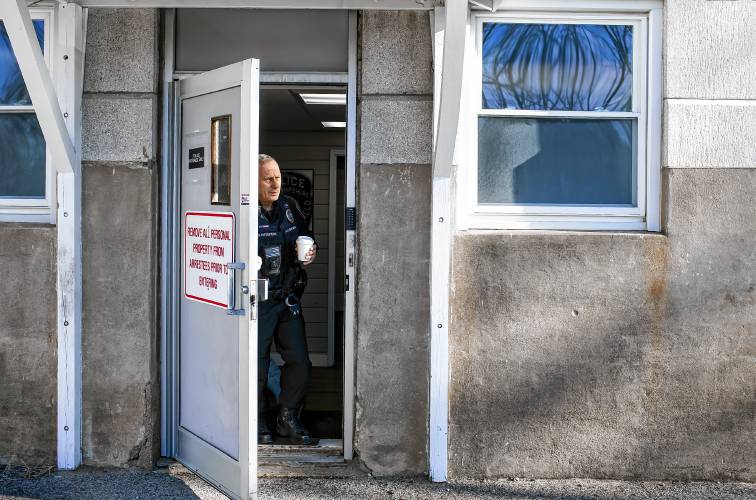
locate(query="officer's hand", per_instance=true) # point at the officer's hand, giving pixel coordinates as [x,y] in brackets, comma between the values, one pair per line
[310,257]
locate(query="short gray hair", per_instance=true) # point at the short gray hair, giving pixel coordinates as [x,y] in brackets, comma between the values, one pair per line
[263,158]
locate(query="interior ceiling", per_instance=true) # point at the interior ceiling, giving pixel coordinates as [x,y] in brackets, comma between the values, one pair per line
[284,110]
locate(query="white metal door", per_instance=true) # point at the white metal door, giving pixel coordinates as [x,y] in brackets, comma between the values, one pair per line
[217,346]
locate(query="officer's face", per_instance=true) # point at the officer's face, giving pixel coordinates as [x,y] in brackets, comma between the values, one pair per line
[270,183]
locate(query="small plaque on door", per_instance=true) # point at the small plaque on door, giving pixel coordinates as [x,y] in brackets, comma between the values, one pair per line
[197,157]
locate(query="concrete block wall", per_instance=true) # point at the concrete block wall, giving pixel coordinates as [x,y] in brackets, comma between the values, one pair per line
[121,389]
[28,344]
[395,116]
[627,355]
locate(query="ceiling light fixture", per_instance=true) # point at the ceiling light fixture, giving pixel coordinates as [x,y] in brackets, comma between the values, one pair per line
[332,99]
[334,124]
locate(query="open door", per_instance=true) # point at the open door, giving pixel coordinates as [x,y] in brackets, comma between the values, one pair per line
[217,346]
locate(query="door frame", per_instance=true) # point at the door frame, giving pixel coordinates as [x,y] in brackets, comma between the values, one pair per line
[170,229]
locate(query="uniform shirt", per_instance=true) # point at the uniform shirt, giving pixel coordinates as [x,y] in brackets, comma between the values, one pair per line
[278,230]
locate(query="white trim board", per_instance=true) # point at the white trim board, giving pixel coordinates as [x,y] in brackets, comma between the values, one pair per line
[350,254]
[71,39]
[578,5]
[450,33]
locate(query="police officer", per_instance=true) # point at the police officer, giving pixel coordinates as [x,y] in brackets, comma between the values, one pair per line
[280,222]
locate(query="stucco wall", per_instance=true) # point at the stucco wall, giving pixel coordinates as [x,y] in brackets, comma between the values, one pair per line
[28,344]
[626,355]
[395,101]
[121,389]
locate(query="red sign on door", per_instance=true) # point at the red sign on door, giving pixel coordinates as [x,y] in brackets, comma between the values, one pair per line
[208,249]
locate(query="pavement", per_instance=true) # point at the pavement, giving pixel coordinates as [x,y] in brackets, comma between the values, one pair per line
[176,482]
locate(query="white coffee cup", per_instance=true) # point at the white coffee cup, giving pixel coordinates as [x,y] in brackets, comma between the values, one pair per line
[304,243]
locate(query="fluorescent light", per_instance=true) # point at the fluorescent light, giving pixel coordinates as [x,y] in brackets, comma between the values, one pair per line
[333,99]
[334,124]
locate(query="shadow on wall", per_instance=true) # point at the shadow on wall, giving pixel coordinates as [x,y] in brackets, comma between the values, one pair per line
[580,364]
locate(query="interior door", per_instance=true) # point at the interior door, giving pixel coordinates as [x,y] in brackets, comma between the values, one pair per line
[217,348]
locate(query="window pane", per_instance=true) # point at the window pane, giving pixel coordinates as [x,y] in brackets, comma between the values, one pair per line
[22,156]
[220,160]
[556,161]
[565,67]
[12,89]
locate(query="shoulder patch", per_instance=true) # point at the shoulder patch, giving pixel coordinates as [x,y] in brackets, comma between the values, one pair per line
[289,215]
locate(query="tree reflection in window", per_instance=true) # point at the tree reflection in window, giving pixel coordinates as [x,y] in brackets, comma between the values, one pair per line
[565,67]
[12,88]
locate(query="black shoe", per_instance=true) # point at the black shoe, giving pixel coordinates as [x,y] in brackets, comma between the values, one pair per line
[288,425]
[264,435]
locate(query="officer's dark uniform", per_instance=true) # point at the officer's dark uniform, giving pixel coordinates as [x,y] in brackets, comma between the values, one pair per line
[277,233]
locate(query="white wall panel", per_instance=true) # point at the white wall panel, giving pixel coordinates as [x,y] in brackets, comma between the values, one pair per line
[710,134]
[709,49]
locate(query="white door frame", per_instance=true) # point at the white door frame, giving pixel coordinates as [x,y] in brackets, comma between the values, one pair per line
[350,252]
[170,228]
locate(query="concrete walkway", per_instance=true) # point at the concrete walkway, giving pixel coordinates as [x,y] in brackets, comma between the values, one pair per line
[176,482]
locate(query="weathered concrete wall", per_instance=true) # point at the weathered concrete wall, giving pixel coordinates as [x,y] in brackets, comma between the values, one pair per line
[627,355]
[28,344]
[395,101]
[121,389]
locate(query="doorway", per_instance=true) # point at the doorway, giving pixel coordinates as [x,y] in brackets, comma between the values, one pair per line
[314,144]
[303,128]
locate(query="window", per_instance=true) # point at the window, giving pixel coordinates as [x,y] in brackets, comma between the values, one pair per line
[561,120]
[220,160]
[26,175]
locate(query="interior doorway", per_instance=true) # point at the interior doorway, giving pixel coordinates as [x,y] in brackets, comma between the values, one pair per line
[303,128]
[307,122]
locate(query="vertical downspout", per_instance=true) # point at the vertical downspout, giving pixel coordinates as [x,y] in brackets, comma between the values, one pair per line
[167,235]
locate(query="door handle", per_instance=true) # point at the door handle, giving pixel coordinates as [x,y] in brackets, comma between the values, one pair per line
[231,277]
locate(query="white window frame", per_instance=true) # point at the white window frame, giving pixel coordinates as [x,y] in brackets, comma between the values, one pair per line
[36,209]
[646,109]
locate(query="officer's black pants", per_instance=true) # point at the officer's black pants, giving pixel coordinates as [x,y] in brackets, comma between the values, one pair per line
[276,322]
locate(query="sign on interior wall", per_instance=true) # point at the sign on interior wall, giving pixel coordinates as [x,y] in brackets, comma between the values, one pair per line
[299,185]
[208,249]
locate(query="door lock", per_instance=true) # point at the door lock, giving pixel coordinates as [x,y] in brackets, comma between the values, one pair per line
[260,292]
